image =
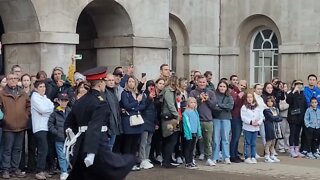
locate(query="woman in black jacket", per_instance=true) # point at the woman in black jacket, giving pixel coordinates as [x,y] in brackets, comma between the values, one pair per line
[297,108]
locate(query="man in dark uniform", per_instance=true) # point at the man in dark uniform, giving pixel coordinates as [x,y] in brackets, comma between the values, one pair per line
[91,159]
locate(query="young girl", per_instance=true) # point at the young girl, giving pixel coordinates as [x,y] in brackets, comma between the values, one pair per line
[252,118]
[192,131]
[272,117]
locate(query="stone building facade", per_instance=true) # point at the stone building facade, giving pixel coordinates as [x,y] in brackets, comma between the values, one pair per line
[256,39]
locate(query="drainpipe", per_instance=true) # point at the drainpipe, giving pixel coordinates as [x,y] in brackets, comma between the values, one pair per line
[219,48]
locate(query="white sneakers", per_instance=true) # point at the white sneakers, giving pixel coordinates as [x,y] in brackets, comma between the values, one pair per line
[254,160]
[227,161]
[210,162]
[145,164]
[250,161]
[64,176]
[159,158]
[271,159]
[179,160]
[201,157]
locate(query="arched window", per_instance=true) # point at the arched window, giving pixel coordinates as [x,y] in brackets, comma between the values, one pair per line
[264,63]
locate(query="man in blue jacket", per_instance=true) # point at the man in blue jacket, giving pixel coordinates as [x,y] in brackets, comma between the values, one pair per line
[312,90]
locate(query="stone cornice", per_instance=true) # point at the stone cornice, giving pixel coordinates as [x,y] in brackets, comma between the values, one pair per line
[40,37]
[299,48]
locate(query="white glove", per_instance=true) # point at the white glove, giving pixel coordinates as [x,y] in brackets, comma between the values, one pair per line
[89,159]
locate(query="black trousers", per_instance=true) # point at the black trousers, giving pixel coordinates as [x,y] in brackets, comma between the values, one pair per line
[156,144]
[168,147]
[118,144]
[130,143]
[189,146]
[312,139]
[42,149]
[31,158]
[294,137]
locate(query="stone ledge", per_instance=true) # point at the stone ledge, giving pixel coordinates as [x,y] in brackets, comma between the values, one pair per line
[299,48]
[121,42]
[40,37]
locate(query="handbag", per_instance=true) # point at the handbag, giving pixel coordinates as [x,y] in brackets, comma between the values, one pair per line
[295,112]
[136,120]
[277,130]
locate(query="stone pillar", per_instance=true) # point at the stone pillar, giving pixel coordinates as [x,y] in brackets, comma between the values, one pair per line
[36,51]
[147,54]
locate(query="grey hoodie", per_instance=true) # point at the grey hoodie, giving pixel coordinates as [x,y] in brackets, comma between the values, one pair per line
[205,108]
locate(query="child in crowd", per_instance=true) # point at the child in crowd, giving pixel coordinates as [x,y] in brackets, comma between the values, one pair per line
[272,129]
[312,133]
[56,127]
[192,131]
[252,118]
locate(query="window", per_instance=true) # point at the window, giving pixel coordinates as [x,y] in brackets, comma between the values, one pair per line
[264,57]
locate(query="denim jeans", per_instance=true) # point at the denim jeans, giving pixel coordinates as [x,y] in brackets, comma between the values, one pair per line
[236,128]
[221,135]
[250,144]
[145,145]
[1,147]
[111,141]
[12,148]
[263,134]
[42,149]
[61,157]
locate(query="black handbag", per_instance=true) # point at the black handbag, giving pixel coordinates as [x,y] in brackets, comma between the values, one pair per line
[295,112]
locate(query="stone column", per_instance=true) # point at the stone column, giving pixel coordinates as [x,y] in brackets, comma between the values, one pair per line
[147,54]
[36,51]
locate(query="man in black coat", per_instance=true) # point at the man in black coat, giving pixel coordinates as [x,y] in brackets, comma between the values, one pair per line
[89,117]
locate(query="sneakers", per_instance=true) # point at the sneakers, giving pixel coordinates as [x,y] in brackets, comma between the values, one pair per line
[310,156]
[317,155]
[282,150]
[267,159]
[169,166]
[201,157]
[248,161]
[293,152]
[6,175]
[297,150]
[191,166]
[135,168]
[19,174]
[210,162]
[179,160]
[159,158]
[257,156]
[145,164]
[64,176]
[254,160]
[40,175]
[227,161]
[235,160]
[274,158]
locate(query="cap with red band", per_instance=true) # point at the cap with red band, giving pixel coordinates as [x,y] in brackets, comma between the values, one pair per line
[96,73]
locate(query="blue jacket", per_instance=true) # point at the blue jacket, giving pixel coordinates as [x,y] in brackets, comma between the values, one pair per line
[187,128]
[309,93]
[312,118]
[149,115]
[133,108]
[270,118]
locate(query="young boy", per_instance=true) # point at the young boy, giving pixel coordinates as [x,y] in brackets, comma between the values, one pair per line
[312,123]
[56,127]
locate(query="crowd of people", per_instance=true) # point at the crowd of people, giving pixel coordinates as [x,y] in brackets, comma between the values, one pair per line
[167,121]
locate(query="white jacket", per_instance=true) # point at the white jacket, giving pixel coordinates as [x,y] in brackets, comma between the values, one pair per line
[260,102]
[248,115]
[41,109]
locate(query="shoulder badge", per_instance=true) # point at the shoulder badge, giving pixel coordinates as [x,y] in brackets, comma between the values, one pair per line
[100,98]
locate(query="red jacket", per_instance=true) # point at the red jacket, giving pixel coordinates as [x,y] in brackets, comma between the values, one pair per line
[238,102]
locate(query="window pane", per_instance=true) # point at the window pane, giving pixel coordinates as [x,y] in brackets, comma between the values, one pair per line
[268,58]
[257,42]
[267,45]
[266,33]
[258,75]
[258,58]
[275,73]
[267,74]
[276,60]
[274,41]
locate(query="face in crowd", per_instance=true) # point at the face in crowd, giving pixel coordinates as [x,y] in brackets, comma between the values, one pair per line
[243,85]
[131,83]
[41,89]
[12,80]
[258,90]
[165,71]
[269,88]
[110,81]
[202,83]
[312,81]
[222,87]
[234,81]
[160,85]
[17,71]
[57,75]
[26,81]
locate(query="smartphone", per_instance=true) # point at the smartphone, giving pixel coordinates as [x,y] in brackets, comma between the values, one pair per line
[78,56]
[143,75]
[63,77]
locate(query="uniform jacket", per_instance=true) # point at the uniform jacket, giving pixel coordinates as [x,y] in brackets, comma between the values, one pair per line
[16,109]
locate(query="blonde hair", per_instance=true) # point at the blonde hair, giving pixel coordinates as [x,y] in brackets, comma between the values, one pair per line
[135,89]
[189,101]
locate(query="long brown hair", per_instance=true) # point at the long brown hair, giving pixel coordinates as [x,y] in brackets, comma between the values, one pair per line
[227,93]
[135,89]
[246,103]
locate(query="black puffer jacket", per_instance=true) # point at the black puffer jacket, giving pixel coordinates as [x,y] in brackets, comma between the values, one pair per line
[56,123]
[296,101]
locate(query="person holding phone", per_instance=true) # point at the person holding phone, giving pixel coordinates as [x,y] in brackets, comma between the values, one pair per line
[297,108]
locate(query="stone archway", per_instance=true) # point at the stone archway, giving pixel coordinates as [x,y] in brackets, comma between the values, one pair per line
[246,31]
[180,41]
[105,31]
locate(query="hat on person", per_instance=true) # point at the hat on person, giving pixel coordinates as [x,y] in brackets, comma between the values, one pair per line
[96,73]
[298,82]
[63,96]
[78,76]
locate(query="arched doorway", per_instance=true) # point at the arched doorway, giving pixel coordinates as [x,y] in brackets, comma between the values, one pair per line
[103,27]
[264,65]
